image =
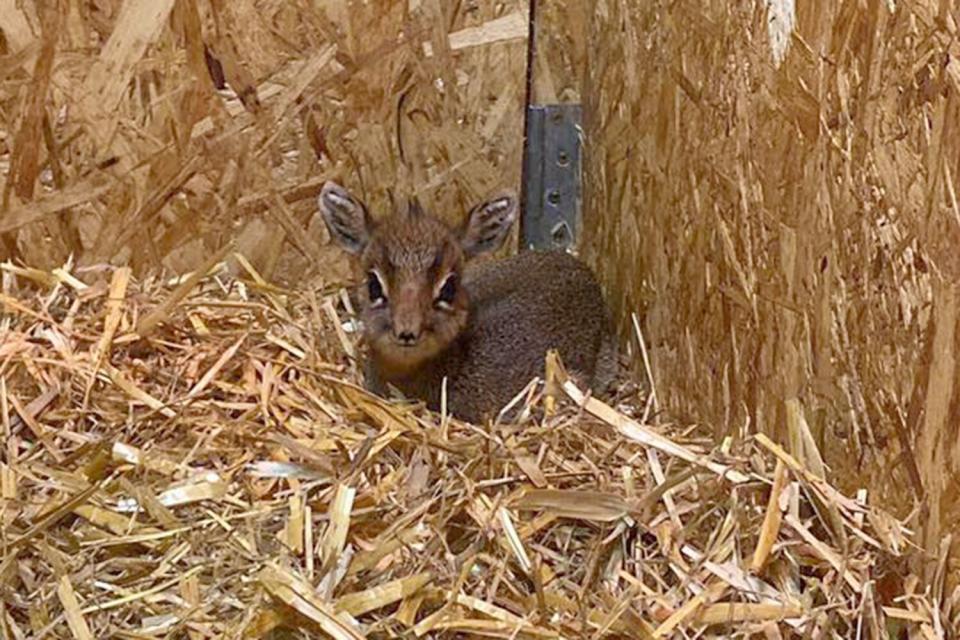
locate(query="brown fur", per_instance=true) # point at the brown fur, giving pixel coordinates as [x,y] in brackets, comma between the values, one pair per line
[491,340]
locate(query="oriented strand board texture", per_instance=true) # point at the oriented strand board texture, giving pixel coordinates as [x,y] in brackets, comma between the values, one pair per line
[788,232]
[116,144]
[558,70]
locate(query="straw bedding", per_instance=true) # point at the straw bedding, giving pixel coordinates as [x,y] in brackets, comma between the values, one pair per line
[195,458]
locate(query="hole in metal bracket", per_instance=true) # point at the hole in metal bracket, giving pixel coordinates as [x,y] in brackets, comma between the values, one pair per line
[560,234]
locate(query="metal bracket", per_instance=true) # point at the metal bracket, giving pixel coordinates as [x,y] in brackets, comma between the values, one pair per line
[552,218]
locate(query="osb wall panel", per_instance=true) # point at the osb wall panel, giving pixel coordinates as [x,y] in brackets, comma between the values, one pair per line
[560,51]
[788,233]
[152,132]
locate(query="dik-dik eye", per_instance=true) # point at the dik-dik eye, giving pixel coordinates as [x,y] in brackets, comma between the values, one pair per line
[447,292]
[376,290]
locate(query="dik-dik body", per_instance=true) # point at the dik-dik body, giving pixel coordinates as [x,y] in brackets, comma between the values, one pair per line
[428,315]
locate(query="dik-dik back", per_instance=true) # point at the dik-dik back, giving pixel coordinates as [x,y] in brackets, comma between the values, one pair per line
[427,315]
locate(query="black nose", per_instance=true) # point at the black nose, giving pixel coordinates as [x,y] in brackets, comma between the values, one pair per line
[407,337]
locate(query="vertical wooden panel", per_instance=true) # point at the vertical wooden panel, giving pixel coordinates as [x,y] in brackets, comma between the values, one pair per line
[157,169]
[783,232]
[560,55]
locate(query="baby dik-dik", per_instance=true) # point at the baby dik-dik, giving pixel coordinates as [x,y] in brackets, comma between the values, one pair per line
[486,329]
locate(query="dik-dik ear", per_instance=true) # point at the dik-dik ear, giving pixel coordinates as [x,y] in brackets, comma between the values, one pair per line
[488,225]
[346,217]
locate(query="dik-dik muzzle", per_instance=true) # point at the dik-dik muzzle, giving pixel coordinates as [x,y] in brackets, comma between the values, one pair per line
[407,312]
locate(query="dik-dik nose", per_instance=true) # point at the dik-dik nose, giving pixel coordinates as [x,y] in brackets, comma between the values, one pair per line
[406,337]
[406,329]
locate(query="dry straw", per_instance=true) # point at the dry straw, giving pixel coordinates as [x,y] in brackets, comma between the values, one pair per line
[194,458]
[224,476]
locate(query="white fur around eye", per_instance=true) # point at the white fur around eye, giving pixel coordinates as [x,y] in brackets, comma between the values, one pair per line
[440,303]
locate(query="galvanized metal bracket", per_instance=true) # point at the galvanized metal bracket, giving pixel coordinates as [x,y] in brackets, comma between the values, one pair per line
[552,217]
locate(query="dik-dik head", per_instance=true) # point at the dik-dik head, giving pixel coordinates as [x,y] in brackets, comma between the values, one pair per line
[413,303]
